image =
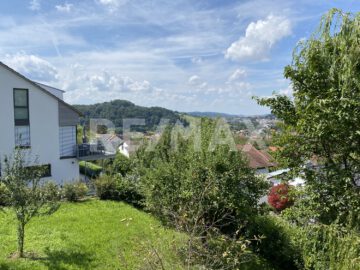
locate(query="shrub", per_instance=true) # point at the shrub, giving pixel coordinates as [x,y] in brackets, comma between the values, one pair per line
[90,169]
[276,243]
[107,187]
[119,188]
[329,247]
[75,191]
[121,164]
[279,197]
[52,191]
[4,195]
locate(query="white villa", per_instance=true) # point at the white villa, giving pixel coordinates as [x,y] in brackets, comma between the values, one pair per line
[34,117]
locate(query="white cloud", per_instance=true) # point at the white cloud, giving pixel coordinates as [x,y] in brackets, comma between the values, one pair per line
[197,60]
[32,66]
[238,74]
[64,8]
[35,5]
[197,82]
[288,91]
[259,38]
[112,5]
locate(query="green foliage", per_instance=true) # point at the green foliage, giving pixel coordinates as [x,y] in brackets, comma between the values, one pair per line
[276,242]
[119,188]
[28,196]
[90,169]
[117,110]
[4,195]
[208,193]
[323,119]
[75,191]
[221,179]
[121,164]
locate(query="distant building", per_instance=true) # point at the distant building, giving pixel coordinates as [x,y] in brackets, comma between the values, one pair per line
[260,160]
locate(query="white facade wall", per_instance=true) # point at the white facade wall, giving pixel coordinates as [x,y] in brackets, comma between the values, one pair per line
[44,126]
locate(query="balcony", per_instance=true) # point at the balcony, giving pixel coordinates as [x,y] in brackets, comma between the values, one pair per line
[91,151]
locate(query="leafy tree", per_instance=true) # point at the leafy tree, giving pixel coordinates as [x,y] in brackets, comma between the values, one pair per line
[117,110]
[28,196]
[322,121]
[205,190]
[279,197]
[173,176]
[121,164]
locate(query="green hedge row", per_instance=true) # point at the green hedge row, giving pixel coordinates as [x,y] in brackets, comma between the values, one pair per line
[90,169]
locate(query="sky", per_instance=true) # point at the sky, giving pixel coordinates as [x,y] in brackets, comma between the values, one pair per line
[185,55]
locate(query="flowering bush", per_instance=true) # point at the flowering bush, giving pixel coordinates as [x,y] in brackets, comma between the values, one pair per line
[279,197]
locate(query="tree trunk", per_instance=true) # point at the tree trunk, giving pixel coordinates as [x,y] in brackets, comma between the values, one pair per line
[21,235]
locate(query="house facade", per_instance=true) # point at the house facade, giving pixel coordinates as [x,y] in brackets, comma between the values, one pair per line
[35,118]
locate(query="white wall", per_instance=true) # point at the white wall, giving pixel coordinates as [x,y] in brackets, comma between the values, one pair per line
[44,126]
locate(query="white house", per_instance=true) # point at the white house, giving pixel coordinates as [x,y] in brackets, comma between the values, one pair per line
[34,117]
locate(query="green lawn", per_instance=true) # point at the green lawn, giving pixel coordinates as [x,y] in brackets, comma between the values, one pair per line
[90,235]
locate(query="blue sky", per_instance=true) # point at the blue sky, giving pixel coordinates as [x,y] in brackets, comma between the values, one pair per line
[182,55]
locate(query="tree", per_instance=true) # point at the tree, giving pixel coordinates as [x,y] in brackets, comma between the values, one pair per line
[207,191]
[28,196]
[279,197]
[322,121]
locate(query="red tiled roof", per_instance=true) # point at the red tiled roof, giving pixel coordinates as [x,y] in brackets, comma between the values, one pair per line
[257,159]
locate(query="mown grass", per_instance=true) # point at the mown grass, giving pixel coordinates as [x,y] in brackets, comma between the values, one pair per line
[90,235]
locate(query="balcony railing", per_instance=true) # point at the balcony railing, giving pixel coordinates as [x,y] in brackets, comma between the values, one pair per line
[89,151]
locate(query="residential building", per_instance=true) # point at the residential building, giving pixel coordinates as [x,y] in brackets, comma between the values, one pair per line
[259,160]
[35,118]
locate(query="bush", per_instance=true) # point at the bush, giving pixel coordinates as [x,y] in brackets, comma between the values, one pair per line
[329,247]
[107,187]
[90,169]
[313,246]
[119,188]
[75,191]
[4,195]
[52,191]
[279,197]
[276,243]
[121,164]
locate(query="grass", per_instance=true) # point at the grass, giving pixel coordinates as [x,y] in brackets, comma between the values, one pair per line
[90,235]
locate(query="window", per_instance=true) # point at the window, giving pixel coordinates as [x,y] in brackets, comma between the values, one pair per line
[44,169]
[21,107]
[67,137]
[21,115]
[22,136]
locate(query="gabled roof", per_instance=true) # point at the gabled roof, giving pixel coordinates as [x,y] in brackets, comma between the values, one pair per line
[40,88]
[257,159]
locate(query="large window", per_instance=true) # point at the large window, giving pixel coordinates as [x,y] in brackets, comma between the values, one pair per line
[21,115]
[21,107]
[67,138]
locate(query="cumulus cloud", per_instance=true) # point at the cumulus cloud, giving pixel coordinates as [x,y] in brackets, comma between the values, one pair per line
[32,66]
[64,8]
[35,5]
[197,82]
[238,74]
[105,83]
[259,38]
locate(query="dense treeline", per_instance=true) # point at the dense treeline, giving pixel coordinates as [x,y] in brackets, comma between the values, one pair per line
[117,110]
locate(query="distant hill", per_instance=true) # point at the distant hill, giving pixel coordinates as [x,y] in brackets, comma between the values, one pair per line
[212,114]
[227,115]
[117,110]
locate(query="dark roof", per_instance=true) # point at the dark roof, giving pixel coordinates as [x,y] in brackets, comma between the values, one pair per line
[41,88]
[257,159]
